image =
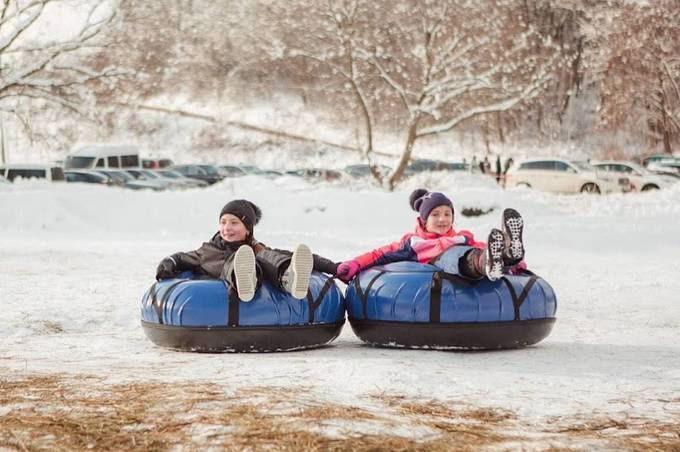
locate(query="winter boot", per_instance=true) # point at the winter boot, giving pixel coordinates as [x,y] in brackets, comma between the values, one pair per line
[472,264]
[493,265]
[513,225]
[296,277]
[477,264]
[244,270]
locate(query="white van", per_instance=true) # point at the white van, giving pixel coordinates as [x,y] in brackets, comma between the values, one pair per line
[47,172]
[104,156]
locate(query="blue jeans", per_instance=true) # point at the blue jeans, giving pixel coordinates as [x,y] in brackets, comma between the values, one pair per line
[448,260]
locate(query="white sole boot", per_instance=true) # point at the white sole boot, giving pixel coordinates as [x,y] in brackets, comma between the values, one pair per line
[296,276]
[244,271]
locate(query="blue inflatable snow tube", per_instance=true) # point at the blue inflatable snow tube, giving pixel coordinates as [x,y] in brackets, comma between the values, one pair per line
[203,315]
[407,304]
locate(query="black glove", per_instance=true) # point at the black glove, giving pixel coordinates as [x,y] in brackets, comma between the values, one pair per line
[166,269]
[321,264]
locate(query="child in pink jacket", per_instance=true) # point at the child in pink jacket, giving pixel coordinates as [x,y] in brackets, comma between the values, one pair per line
[435,241]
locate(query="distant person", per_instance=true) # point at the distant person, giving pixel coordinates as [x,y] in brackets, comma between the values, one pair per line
[498,169]
[485,165]
[233,255]
[435,241]
[508,165]
[473,164]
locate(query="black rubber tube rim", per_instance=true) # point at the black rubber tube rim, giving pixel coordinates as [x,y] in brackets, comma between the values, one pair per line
[221,339]
[453,336]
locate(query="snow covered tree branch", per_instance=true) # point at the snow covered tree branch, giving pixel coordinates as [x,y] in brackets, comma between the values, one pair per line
[45,66]
[637,69]
[427,66]
[458,60]
[326,44]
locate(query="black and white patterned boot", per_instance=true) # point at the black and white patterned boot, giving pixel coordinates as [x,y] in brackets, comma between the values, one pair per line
[513,225]
[493,265]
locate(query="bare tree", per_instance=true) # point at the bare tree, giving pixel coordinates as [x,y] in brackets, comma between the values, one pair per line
[636,66]
[431,64]
[671,69]
[319,38]
[461,60]
[58,71]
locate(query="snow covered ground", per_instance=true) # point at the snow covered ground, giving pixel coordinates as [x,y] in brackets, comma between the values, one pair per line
[75,261]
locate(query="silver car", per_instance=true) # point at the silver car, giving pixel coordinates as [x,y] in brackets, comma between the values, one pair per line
[125,179]
[142,175]
[181,179]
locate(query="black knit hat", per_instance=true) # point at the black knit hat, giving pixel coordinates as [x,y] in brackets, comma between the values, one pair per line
[424,202]
[244,210]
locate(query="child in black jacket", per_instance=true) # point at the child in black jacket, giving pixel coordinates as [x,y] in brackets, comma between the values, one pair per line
[235,256]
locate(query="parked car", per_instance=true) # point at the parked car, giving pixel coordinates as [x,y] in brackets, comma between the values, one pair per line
[674,175]
[563,176]
[673,167]
[245,170]
[656,160]
[176,182]
[105,156]
[316,173]
[152,176]
[124,179]
[422,165]
[47,172]
[232,171]
[363,170]
[208,173]
[88,177]
[187,181]
[249,169]
[641,179]
[270,173]
[156,163]
[456,166]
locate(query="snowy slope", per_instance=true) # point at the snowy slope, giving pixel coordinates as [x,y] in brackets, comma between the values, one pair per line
[76,260]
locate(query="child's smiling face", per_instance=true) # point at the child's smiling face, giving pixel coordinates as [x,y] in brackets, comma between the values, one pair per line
[232,228]
[440,220]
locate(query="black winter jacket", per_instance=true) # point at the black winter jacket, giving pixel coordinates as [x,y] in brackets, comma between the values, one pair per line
[208,260]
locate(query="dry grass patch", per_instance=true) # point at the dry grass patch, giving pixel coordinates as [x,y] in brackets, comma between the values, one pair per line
[55,412]
[631,433]
[452,410]
[48,412]
[328,412]
[468,425]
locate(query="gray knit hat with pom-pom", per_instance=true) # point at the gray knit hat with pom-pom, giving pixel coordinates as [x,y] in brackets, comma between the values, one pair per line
[424,202]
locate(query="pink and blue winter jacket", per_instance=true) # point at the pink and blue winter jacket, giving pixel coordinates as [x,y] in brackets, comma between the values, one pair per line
[421,246]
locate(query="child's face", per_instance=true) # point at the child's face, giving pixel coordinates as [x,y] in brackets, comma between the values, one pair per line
[232,228]
[440,220]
